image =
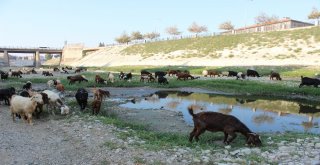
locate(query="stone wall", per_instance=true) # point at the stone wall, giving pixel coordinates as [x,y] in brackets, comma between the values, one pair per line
[71,53]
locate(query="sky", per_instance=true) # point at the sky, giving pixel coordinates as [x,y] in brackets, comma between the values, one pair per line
[34,23]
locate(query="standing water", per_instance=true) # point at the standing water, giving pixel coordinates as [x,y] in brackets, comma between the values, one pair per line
[260,115]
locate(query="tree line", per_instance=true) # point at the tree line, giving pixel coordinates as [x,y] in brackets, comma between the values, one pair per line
[196,29]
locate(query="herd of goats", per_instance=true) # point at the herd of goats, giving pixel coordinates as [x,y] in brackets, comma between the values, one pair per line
[28,103]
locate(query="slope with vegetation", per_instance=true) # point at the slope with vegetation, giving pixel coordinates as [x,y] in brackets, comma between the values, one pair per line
[296,47]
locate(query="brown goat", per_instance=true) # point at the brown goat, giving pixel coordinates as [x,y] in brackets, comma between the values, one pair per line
[60,87]
[99,94]
[184,76]
[99,79]
[229,125]
[276,75]
[79,78]
[213,73]
[96,105]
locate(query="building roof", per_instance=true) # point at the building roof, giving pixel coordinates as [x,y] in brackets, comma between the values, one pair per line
[270,23]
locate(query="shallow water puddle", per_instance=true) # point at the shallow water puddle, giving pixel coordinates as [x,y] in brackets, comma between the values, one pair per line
[259,114]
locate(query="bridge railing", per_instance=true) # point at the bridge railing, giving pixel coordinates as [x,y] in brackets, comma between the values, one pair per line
[30,48]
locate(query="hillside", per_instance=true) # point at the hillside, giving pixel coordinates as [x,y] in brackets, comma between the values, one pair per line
[293,47]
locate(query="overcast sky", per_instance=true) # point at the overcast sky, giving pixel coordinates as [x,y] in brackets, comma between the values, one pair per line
[52,22]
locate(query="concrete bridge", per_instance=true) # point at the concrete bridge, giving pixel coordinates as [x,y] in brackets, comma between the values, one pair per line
[69,53]
[35,51]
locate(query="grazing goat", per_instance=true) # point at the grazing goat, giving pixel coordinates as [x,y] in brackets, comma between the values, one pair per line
[54,100]
[82,98]
[173,72]
[229,125]
[27,86]
[15,73]
[159,74]
[147,77]
[96,105]
[205,73]
[240,75]
[5,94]
[213,73]
[225,73]
[69,68]
[100,94]
[128,76]
[162,80]
[4,76]
[64,71]
[145,72]
[184,76]
[121,75]
[60,87]
[252,73]
[24,106]
[39,107]
[232,73]
[46,73]
[309,81]
[275,75]
[78,70]
[100,80]
[79,78]
[55,69]
[53,82]
[110,77]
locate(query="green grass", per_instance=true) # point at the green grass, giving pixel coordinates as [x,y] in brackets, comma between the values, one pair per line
[206,45]
[161,140]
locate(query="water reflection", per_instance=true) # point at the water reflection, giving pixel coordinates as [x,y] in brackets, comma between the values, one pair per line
[259,114]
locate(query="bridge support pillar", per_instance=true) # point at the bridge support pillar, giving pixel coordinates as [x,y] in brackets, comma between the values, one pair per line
[37,62]
[6,58]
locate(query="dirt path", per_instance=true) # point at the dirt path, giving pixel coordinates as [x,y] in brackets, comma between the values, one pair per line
[85,140]
[71,140]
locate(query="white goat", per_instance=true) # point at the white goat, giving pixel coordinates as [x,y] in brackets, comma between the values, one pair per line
[111,77]
[55,100]
[205,73]
[53,83]
[25,106]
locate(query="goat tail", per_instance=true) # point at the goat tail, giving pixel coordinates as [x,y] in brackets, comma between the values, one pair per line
[190,109]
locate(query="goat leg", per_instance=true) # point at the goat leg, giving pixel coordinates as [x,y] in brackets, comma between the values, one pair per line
[233,136]
[192,134]
[225,138]
[198,133]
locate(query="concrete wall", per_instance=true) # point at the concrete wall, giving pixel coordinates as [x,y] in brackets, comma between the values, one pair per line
[71,53]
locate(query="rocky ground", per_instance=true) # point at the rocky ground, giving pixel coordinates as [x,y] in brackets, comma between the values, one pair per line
[84,139]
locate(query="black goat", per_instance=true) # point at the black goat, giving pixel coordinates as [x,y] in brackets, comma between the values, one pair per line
[309,81]
[4,76]
[232,73]
[27,86]
[162,80]
[82,98]
[5,94]
[252,73]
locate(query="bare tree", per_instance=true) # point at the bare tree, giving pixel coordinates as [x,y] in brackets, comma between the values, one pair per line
[264,18]
[124,38]
[152,35]
[195,28]
[226,26]
[173,30]
[315,14]
[136,35]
